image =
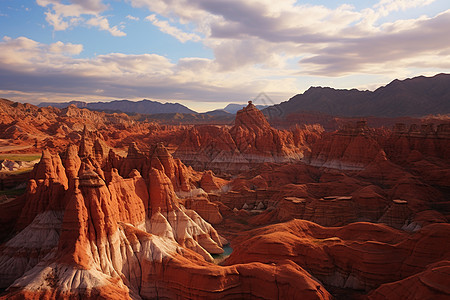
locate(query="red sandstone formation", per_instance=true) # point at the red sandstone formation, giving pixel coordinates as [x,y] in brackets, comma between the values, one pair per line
[351,148]
[250,141]
[205,208]
[95,223]
[32,128]
[122,238]
[429,284]
[333,197]
[158,158]
[359,256]
[210,183]
[46,190]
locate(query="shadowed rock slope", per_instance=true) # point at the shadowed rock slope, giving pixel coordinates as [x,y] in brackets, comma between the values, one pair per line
[419,96]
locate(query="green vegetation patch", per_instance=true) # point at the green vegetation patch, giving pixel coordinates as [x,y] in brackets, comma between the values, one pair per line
[20,157]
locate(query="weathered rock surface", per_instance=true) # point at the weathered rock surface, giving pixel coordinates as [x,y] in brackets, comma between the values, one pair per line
[106,236]
[359,256]
[210,183]
[429,284]
[250,141]
[205,208]
[351,148]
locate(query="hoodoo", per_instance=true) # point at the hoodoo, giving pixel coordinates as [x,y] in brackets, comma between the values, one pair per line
[125,238]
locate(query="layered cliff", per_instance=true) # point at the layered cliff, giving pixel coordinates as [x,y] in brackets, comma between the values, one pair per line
[249,142]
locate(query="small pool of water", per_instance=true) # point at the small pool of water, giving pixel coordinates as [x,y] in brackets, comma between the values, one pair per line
[218,258]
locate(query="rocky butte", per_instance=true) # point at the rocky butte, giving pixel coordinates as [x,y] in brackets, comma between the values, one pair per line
[249,142]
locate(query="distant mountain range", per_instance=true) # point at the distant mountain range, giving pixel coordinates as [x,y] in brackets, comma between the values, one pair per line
[232,108]
[147,107]
[416,97]
[126,106]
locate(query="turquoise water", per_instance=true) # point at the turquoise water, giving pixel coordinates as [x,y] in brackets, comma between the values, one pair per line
[218,258]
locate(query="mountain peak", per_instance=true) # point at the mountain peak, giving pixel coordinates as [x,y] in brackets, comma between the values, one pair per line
[251,117]
[144,106]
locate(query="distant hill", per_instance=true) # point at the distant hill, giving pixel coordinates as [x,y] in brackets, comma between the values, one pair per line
[419,96]
[126,106]
[232,108]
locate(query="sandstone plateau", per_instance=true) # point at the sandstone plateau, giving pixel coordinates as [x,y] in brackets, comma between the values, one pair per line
[123,208]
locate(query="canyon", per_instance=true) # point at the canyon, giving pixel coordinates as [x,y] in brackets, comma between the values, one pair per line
[119,208]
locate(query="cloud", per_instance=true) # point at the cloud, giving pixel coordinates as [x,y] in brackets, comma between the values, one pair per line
[403,44]
[76,8]
[177,33]
[384,7]
[130,17]
[103,24]
[63,16]
[95,6]
[54,70]
[69,48]
[57,21]
[325,41]
[258,45]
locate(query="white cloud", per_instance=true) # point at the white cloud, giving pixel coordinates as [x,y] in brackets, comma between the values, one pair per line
[69,48]
[384,7]
[403,44]
[177,33]
[56,21]
[130,17]
[103,24]
[77,8]
[63,16]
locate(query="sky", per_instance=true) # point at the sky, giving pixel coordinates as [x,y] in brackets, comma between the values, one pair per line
[208,53]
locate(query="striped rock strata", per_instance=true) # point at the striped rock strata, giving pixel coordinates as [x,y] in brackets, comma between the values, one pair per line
[103,236]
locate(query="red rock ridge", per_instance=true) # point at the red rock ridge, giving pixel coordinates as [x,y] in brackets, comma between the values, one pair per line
[250,141]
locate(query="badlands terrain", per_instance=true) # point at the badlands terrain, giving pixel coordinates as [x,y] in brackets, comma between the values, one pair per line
[97,205]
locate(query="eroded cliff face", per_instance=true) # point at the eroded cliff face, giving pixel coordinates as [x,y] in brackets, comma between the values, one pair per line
[88,231]
[356,146]
[249,142]
[404,195]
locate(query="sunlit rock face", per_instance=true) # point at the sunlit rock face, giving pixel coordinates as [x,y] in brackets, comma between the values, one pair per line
[353,147]
[360,256]
[250,141]
[86,231]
